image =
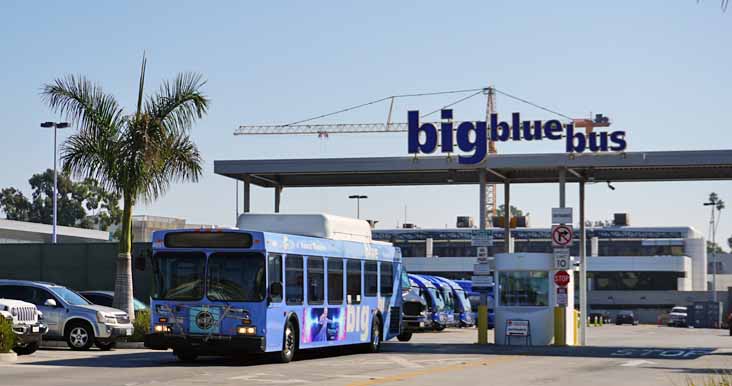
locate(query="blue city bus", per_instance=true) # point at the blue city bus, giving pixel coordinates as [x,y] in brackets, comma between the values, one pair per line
[463,310]
[474,298]
[448,298]
[434,299]
[229,291]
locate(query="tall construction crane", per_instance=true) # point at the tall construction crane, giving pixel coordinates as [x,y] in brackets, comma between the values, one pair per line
[323,130]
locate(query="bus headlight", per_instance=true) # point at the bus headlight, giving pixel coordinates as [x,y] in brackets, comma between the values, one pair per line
[246,330]
[160,328]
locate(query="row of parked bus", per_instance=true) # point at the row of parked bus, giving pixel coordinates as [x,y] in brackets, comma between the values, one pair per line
[433,303]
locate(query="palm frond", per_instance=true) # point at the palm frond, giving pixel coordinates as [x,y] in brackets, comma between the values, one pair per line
[178,104]
[87,155]
[178,161]
[83,103]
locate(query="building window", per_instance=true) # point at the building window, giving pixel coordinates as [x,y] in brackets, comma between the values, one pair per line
[371,278]
[294,279]
[335,281]
[524,288]
[316,280]
[353,281]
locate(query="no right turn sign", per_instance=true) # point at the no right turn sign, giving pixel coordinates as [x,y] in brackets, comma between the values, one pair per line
[562,235]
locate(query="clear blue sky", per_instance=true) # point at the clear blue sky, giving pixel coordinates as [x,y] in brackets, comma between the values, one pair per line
[660,69]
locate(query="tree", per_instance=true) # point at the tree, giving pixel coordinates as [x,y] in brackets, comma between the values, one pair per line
[729,243]
[139,155]
[713,248]
[514,211]
[82,204]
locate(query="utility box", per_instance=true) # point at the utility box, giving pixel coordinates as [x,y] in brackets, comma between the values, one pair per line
[621,220]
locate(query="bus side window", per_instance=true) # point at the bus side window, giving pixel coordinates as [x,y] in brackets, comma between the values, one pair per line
[371,278]
[335,281]
[353,281]
[387,278]
[274,265]
[294,280]
[316,280]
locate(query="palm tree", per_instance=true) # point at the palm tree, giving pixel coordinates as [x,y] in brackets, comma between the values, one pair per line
[137,155]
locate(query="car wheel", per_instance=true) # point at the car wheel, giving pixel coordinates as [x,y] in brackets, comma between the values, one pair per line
[79,336]
[186,355]
[375,345]
[439,328]
[28,349]
[105,345]
[405,336]
[289,344]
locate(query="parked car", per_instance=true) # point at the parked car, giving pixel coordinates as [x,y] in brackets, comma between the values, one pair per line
[69,316]
[626,317]
[27,324]
[106,298]
[677,317]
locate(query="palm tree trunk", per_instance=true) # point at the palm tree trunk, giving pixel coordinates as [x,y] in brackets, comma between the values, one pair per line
[123,278]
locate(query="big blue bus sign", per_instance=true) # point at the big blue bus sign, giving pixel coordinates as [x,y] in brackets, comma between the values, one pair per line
[473,137]
[232,291]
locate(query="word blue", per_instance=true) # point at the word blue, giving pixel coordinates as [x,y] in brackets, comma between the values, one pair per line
[423,137]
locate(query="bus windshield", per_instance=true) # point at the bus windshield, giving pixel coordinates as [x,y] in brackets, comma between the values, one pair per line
[236,276]
[179,275]
[437,298]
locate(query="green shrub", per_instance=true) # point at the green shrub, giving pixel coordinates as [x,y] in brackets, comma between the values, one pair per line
[7,336]
[142,326]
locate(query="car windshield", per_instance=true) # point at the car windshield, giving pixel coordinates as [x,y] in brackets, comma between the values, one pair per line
[626,313]
[139,306]
[69,296]
[179,275]
[235,276]
[681,310]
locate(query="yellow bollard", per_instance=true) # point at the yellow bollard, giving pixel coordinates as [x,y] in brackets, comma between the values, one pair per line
[560,329]
[482,324]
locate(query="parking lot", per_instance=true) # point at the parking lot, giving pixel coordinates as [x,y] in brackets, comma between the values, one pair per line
[618,355]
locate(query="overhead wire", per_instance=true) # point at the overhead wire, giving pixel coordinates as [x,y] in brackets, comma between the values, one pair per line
[475,91]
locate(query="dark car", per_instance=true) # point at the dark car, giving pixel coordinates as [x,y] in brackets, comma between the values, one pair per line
[105,298]
[626,317]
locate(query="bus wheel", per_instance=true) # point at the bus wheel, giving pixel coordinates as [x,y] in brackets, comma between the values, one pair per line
[405,336]
[289,344]
[375,344]
[186,355]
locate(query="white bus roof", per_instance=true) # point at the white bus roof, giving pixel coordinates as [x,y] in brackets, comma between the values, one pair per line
[320,225]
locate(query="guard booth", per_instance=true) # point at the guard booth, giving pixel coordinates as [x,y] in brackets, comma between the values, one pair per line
[530,308]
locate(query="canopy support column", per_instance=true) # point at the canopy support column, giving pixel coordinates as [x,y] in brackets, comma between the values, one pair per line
[247,194]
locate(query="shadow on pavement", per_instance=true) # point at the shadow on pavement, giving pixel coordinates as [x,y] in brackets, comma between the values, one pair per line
[120,359]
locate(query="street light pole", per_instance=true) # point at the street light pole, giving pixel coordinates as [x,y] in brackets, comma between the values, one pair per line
[718,204]
[358,203]
[56,126]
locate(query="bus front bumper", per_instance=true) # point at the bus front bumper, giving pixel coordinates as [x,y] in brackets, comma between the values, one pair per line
[206,344]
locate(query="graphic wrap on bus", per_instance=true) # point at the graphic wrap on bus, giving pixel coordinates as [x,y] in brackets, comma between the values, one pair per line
[227,291]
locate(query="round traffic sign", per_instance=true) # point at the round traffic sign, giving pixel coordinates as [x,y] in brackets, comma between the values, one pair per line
[561,278]
[562,235]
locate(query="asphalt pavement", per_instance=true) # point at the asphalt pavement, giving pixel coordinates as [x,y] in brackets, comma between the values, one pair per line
[617,355]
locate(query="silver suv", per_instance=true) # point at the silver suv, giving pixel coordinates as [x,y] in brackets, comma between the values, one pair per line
[69,316]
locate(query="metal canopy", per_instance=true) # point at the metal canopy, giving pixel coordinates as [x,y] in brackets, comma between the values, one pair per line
[517,168]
